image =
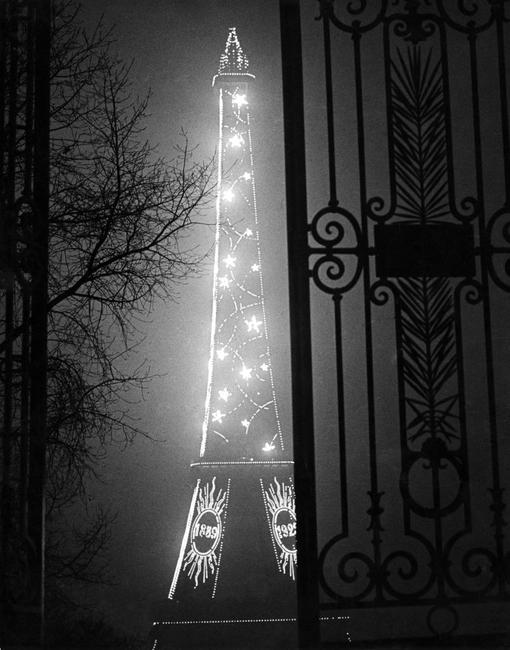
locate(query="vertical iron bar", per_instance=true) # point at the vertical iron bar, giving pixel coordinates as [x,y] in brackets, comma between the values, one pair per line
[300,334]
[503,98]
[464,455]
[9,230]
[340,397]
[24,413]
[489,353]
[374,510]
[431,403]
[4,270]
[333,200]
[38,357]
[3,84]
[26,302]
[29,105]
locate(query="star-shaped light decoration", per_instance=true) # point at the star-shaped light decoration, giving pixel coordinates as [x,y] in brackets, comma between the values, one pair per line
[221,354]
[253,324]
[255,267]
[245,423]
[218,416]
[228,195]
[229,261]
[269,446]
[245,372]
[224,282]
[264,367]
[239,100]
[246,176]
[248,232]
[236,140]
[224,394]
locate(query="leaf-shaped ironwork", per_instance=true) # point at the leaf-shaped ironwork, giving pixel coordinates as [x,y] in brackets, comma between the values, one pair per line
[419,136]
[429,360]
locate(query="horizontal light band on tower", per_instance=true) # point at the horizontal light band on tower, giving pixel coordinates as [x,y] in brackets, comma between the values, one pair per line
[241,462]
[232,75]
[290,619]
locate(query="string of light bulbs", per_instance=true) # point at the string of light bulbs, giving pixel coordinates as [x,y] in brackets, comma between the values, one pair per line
[240,390]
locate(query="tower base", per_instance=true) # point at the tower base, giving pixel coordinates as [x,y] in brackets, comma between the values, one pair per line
[216,628]
[179,632]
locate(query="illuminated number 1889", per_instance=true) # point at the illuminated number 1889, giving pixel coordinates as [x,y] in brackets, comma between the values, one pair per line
[202,530]
[286,530]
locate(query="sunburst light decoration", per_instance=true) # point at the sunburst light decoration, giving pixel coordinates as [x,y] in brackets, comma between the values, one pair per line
[205,537]
[279,501]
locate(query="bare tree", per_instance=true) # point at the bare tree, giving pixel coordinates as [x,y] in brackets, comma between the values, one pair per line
[120,217]
[120,221]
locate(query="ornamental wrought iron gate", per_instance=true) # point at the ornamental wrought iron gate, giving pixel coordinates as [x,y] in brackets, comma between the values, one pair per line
[399,258]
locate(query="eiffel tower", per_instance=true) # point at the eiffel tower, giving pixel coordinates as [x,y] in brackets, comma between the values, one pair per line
[234,579]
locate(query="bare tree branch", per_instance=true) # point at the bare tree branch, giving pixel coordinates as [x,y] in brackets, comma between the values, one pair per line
[121,217]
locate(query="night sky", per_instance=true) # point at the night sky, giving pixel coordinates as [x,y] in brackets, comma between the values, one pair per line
[176,48]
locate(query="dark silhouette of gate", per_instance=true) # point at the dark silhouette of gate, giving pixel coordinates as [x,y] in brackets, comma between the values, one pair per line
[399,262]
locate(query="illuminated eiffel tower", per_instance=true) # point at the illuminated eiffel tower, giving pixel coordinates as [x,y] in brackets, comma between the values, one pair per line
[234,579]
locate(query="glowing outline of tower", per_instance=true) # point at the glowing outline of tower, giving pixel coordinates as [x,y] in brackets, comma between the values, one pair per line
[241,431]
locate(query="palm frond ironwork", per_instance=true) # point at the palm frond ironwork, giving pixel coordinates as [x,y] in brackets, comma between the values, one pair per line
[419,140]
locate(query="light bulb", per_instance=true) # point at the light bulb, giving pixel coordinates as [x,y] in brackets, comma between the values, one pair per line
[218,416]
[253,324]
[245,372]
[221,354]
[229,261]
[239,100]
[236,140]
[224,394]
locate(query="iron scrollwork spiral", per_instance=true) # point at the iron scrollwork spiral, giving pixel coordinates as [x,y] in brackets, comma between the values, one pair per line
[498,240]
[353,19]
[469,16]
[400,575]
[381,291]
[477,564]
[414,27]
[376,208]
[336,261]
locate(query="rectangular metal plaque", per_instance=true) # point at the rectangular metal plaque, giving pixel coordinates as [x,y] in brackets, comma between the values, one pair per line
[415,250]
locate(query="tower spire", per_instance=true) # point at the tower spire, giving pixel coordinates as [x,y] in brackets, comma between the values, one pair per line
[233,60]
[234,63]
